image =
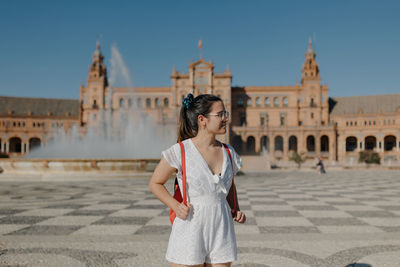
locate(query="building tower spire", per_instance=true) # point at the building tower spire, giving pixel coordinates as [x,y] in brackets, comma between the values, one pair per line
[310,70]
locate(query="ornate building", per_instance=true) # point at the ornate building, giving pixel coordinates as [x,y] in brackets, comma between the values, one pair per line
[265,119]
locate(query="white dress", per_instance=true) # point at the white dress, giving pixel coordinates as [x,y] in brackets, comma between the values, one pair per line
[207,234]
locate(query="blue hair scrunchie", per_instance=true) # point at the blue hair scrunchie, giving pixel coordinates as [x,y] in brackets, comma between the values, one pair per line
[187,101]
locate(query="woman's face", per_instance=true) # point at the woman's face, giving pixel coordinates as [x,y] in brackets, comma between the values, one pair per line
[216,121]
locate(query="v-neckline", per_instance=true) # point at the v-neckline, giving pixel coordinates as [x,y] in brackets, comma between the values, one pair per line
[205,162]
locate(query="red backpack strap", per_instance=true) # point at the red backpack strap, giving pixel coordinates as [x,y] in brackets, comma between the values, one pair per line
[233,187]
[183,163]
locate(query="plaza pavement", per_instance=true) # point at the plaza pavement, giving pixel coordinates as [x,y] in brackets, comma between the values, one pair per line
[343,218]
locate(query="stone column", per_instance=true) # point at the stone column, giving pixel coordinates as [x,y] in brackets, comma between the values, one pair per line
[318,144]
[27,147]
[7,147]
[257,144]
[397,146]
[377,146]
[23,148]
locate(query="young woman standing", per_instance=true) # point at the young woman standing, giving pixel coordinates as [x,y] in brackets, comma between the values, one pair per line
[202,232]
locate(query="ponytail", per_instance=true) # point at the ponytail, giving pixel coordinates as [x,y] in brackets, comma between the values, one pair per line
[190,110]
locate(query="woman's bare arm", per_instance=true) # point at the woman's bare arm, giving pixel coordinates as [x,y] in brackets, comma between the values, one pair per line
[160,176]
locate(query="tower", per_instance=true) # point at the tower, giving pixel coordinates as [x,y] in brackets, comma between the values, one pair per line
[93,96]
[313,101]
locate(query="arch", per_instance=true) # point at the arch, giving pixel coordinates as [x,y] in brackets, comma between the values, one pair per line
[166,102]
[148,103]
[258,102]
[34,142]
[389,142]
[121,102]
[139,102]
[130,102]
[264,143]
[251,145]
[267,102]
[351,143]
[156,102]
[278,143]
[370,142]
[285,101]
[293,143]
[237,143]
[276,102]
[310,143]
[15,145]
[249,101]
[324,143]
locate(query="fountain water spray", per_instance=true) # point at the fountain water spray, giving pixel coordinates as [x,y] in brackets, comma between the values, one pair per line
[126,132]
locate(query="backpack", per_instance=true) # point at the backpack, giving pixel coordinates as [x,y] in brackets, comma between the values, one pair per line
[231,197]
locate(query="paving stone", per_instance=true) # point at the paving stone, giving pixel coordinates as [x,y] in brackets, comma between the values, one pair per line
[336,221]
[288,229]
[111,220]
[47,230]
[23,219]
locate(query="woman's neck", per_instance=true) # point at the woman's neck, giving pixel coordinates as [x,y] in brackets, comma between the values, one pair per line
[205,140]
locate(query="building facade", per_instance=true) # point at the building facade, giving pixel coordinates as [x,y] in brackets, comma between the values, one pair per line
[272,120]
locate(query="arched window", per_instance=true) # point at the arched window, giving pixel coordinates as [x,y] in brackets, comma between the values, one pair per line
[310,143]
[258,102]
[156,102]
[264,143]
[34,143]
[165,102]
[129,102]
[15,145]
[249,101]
[121,102]
[251,145]
[285,102]
[139,102]
[292,143]
[148,103]
[276,102]
[267,102]
[324,143]
[370,142]
[389,142]
[278,143]
[351,143]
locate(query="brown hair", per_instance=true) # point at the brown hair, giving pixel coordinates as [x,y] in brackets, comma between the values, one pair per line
[190,110]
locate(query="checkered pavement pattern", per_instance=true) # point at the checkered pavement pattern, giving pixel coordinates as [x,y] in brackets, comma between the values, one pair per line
[274,203]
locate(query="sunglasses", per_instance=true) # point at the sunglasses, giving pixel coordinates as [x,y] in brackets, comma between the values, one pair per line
[222,115]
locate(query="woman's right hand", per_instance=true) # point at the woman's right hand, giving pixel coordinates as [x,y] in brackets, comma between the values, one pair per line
[182,210]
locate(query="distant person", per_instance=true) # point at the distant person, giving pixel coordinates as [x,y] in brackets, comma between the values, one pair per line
[320,165]
[203,231]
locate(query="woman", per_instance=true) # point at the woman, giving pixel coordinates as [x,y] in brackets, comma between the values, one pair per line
[202,232]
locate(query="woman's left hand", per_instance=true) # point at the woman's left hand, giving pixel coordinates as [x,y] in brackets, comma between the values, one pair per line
[240,217]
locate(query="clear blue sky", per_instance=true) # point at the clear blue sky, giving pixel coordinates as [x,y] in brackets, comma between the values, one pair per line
[46,46]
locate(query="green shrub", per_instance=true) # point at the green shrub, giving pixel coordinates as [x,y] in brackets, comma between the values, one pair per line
[369,157]
[298,158]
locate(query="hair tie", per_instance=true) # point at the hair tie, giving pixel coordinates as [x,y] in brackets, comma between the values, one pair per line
[187,101]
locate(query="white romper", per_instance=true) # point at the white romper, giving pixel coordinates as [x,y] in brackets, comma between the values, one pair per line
[207,234]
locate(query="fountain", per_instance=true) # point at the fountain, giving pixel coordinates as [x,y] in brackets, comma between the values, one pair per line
[124,140]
